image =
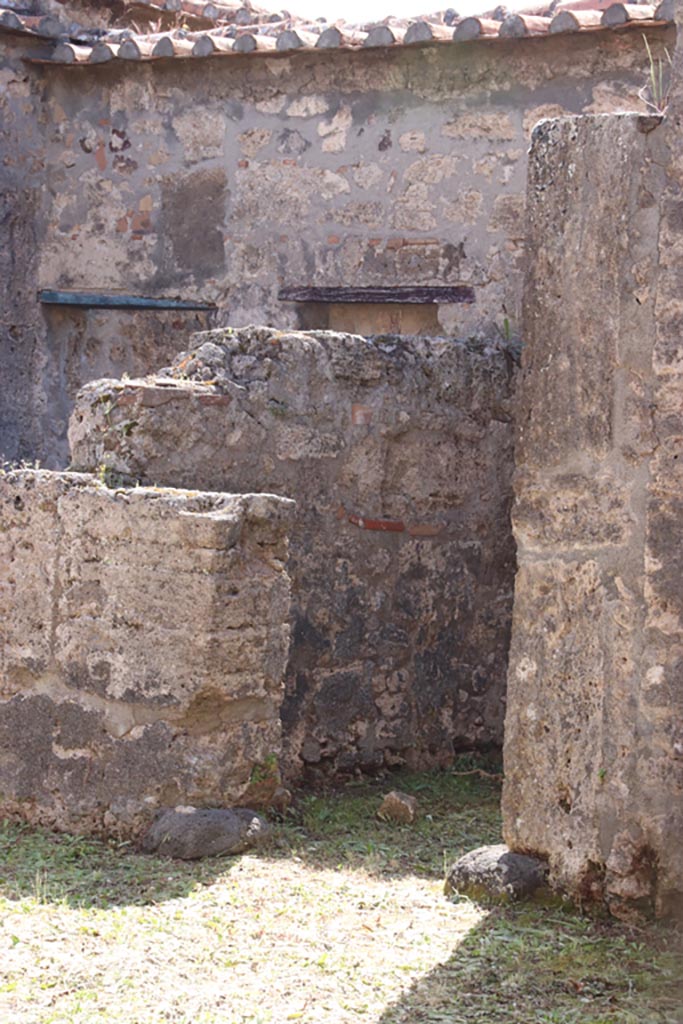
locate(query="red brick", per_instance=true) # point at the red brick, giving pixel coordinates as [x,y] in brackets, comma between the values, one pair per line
[426,529]
[127,398]
[361,415]
[140,222]
[153,397]
[101,156]
[215,399]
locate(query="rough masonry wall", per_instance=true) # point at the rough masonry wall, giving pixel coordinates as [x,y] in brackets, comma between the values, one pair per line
[399,455]
[145,636]
[226,179]
[594,726]
[48,353]
[22,337]
[81,345]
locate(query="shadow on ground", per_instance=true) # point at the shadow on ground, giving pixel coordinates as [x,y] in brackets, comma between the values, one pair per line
[82,872]
[529,965]
[337,828]
[459,809]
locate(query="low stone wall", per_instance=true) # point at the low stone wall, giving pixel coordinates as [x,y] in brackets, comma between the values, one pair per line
[399,455]
[594,728]
[145,636]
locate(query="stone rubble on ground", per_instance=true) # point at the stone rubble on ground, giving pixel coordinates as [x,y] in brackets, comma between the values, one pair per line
[400,807]
[189,833]
[494,873]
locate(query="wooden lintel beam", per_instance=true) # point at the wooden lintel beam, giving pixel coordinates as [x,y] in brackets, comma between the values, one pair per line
[414,294]
[100,300]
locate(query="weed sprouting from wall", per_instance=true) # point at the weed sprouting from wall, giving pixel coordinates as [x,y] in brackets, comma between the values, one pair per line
[655,92]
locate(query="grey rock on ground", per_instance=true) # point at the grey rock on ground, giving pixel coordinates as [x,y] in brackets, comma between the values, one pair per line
[189,833]
[397,806]
[495,873]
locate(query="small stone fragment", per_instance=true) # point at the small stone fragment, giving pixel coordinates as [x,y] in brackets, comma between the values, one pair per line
[495,873]
[189,833]
[397,806]
[281,800]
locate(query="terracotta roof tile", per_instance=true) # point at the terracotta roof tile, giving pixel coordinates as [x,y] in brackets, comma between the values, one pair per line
[516,26]
[46,27]
[620,14]
[475,28]
[237,27]
[575,21]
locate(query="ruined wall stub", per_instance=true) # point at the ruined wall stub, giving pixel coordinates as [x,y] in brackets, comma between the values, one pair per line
[594,726]
[399,455]
[145,636]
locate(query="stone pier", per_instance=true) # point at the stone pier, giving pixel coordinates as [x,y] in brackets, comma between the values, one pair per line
[145,637]
[594,727]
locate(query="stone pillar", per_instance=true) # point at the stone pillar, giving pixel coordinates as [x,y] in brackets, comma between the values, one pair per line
[145,637]
[593,737]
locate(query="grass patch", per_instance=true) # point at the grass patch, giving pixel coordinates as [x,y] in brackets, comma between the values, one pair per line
[340,827]
[341,918]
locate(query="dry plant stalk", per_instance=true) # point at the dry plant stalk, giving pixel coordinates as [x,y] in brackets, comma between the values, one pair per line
[657,81]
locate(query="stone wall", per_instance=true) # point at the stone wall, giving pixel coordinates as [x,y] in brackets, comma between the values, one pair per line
[594,728]
[82,345]
[225,179]
[22,335]
[48,353]
[399,455]
[145,635]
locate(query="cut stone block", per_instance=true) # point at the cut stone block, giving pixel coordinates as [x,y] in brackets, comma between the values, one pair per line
[145,637]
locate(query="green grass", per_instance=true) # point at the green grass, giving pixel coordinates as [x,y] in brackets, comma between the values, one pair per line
[340,918]
[458,813]
[526,965]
